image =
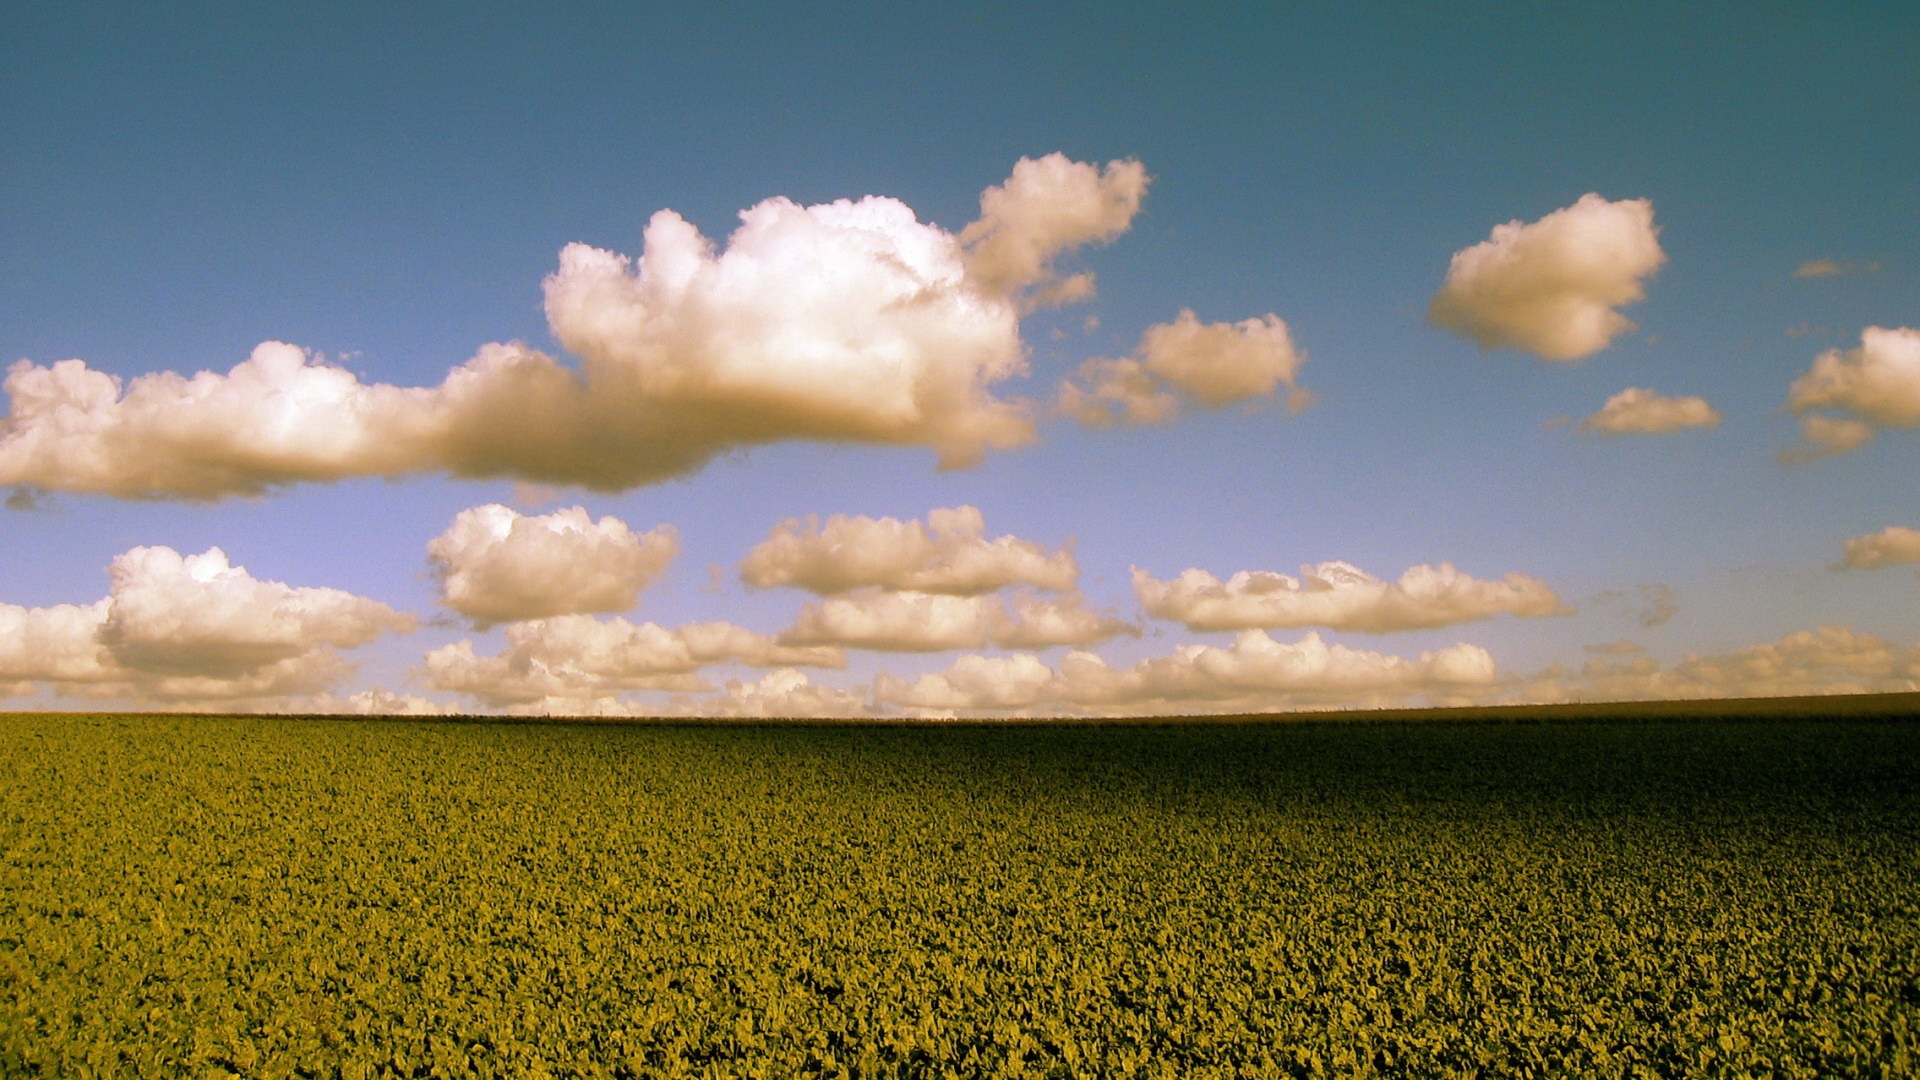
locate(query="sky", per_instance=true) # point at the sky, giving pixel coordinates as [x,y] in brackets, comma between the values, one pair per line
[920,361]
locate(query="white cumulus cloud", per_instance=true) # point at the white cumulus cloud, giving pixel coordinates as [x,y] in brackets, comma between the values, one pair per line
[191,628]
[1551,287]
[1185,362]
[949,553]
[850,321]
[895,621]
[1049,206]
[578,657]
[1891,546]
[1340,596]
[1874,386]
[497,565]
[1044,622]
[888,621]
[1639,411]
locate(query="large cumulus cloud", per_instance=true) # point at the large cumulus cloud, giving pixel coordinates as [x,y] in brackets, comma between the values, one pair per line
[1340,596]
[851,321]
[949,553]
[1551,287]
[191,628]
[1850,394]
[1185,362]
[497,565]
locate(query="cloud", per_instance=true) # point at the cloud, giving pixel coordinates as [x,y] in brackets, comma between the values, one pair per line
[1255,673]
[375,702]
[1657,605]
[1185,362]
[1638,411]
[496,565]
[1876,386]
[1340,596]
[1021,681]
[785,693]
[1824,437]
[1651,604]
[1616,648]
[1892,546]
[1049,206]
[1104,393]
[1821,268]
[58,644]
[847,322]
[577,657]
[1550,287]
[27,498]
[191,628]
[1828,660]
[895,621]
[948,554]
[1042,623]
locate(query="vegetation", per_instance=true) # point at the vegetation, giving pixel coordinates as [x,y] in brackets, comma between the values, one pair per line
[279,897]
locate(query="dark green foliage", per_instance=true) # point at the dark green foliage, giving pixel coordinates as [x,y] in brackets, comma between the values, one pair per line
[268,897]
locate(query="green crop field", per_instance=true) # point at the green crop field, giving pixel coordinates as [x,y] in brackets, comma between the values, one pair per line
[206,896]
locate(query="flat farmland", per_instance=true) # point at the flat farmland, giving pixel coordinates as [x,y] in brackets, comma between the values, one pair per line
[1607,896]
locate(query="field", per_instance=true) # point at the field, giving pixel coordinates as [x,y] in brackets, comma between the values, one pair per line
[282,897]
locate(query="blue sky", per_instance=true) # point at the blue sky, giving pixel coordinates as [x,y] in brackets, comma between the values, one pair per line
[390,186]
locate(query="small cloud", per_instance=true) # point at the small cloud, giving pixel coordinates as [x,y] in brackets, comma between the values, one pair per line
[1805,329]
[949,553]
[27,498]
[1186,362]
[1640,411]
[1825,437]
[1655,605]
[1824,268]
[1551,287]
[1616,648]
[529,496]
[1894,545]
[1871,387]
